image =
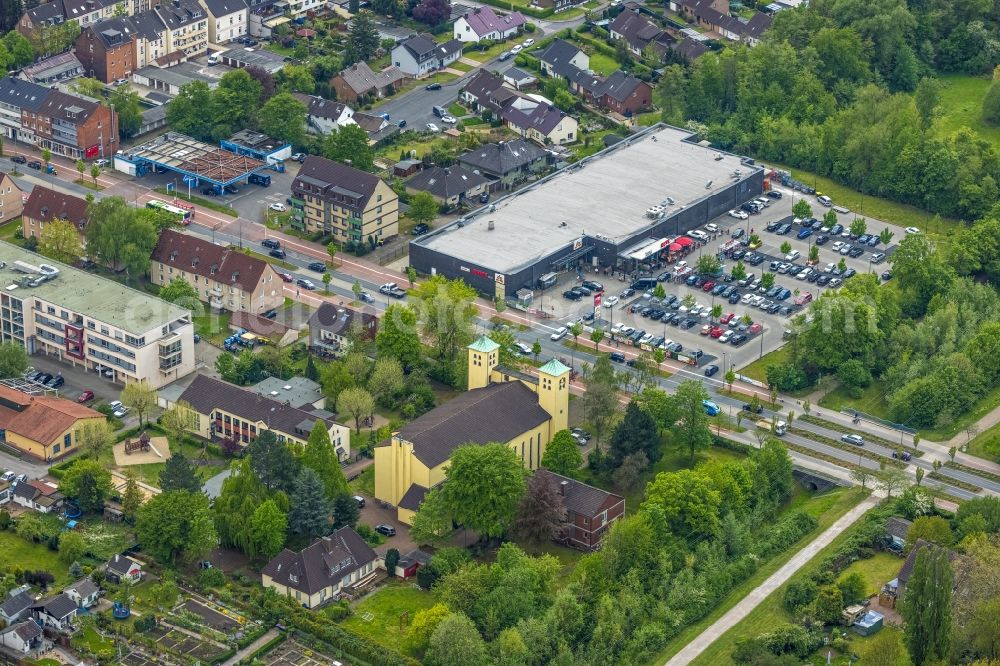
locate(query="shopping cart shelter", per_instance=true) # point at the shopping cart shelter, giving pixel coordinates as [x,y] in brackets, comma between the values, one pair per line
[198,163]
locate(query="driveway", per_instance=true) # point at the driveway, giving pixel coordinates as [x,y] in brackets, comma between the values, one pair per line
[373,514]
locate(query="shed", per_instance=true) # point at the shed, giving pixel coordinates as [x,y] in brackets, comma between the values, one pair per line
[869,623]
[408,564]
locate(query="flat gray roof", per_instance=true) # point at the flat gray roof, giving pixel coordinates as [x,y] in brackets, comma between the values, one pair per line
[101,299]
[605,196]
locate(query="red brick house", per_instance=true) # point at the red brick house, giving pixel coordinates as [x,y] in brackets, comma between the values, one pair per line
[620,92]
[590,511]
[107,50]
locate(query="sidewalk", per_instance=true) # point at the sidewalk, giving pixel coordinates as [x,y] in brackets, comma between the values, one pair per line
[761,592]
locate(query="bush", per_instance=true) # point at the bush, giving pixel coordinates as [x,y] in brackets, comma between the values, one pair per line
[787,377]
[529,27]
[798,595]
[211,578]
[792,639]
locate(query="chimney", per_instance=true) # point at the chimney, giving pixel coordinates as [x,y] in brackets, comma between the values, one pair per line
[562,487]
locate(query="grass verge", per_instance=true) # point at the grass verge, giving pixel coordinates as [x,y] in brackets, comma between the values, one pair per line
[850,448]
[938,476]
[872,401]
[89,184]
[365,483]
[826,508]
[198,201]
[986,444]
[830,425]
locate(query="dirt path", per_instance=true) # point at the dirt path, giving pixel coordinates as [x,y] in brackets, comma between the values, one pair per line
[776,580]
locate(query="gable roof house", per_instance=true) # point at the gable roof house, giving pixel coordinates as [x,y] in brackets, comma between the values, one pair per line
[56,612]
[560,58]
[420,55]
[55,12]
[450,186]
[83,592]
[519,79]
[714,15]
[590,511]
[483,23]
[123,567]
[506,163]
[620,92]
[45,205]
[43,426]
[323,570]
[323,115]
[228,20]
[226,411]
[11,199]
[638,32]
[107,50]
[60,67]
[480,91]
[24,638]
[331,326]
[358,81]
[223,277]
[16,605]
[539,121]
[38,495]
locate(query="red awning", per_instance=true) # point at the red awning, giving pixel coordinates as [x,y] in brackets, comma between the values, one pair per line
[675,247]
[683,241]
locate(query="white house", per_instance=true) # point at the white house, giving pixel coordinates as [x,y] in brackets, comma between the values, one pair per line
[560,58]
[123,567]
[37,495]
[323,115]
[228,20]
[534,118]
[16,605]
[83,592]
[483,23]
[23,638]
[57,612]
[420,55]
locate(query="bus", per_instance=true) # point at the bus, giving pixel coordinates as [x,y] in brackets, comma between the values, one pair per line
[182,215]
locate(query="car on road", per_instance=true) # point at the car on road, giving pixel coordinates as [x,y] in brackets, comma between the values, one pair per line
[35,164]
[420,229]
[102,162]
[318,266]
[616,357]
[524,348]
[856,440]
[754,409]
[710,407]
[118,410]
[385,530]
[431,127]
[7,476]
[433,86]
[559,334]
[528,42]
[277,254]
[506,55]
[711,370]
[18,159]
[285,277]
[87,395]
[366,297]
[516,49]
[280,207]
[271,243]
[306,284]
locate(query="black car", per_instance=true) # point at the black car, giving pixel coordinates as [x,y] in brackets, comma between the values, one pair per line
[855,252]
[209,191]
[747,407]
[386,530]
[663,277]
[593,286]
[711,370]
[616,357]
[813,277]
[366,297]
[572,295]
[318,266]
[734,297]
[783,229]
[887,276]
[688,323]
[271,243]
[727,292]
[774,194]
[738,339]
[823,280]
[773,226]
[433,86]
[645,311]
[850,272]
[836,229]
[738,254]
[277,254]
[55,382]
[420,229]
[35,164]
[822,239]
[18,159]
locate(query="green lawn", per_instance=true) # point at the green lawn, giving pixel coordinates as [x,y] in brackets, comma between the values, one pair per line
[648,119]
[278,263]
[9,229]
[826,508]
[212,327]
[365,483]
[877,570]
[880,209]
[872,400]
[384,609]
[986,444]
[461,66]
[151,473]
[491,52]
[457,110]
[603,64]
[961,103]
[26,555]
[88,639]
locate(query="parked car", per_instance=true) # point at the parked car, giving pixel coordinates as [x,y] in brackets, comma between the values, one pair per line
[318,266]
[738,214]
[280,207]
[385,530]
[118,409]
[86,396]
[431,127]
[7,476]
[857,440]
[420,229]
[306,284]
[18,159]
[433,86]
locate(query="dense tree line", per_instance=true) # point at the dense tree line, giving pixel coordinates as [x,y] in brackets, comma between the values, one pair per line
[844,88]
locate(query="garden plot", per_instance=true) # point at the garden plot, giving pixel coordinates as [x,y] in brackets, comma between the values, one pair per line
[178,642]
[212,618]
[293,653]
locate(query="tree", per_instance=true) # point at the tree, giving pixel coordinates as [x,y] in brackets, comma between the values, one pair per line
[46,157]
[600,401]
[853,587]
[926,608]
[862,475]
[271,462]
[362,41]
[424,623]
[432,523]
[814,253]
[356,403]
[774,469]
[635,432]
[386,381]
[181,292]
[859,226]
[483,486]
[802,209]
[283,117]
[687,502]
[119,236]
[72,546]
[176,525]
[829,604]
[349,144]
[267,528]
[890,480]
[180,420]
[132,497]
[61,241]
[991,101]
[432,12]
[883,649]
[739,271]
[179,474]
[767,280]
[541,514]
[596,336]
[708,264]
[397,336]
[128,111]
[930,528]
[536,349]
[562,455]
[391,560]
[89,483]
[94,436]
[423,208]
[320,457]
[81,166]
[456,642]
[13,360]
[785,248]
[630,471]
[730,378]
[886,236]
[446,312]
[691,428]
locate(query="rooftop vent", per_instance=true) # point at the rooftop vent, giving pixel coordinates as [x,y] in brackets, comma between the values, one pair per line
[491,226]
[708,185]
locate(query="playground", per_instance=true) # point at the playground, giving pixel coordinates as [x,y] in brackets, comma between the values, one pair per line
[141,450]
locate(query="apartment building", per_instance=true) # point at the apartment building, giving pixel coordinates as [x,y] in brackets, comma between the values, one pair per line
[84,12]
[343,202]
[68,125]
[91,322]
[186,26]
[11,199]
[225,278]
[228,20]
[45,205]
[107,49]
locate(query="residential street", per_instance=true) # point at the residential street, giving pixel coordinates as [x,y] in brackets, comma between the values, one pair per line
[776,580]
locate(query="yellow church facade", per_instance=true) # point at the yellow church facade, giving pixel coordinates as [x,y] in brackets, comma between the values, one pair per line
[501,405]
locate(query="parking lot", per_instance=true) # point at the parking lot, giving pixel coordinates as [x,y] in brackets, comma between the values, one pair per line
[683,318]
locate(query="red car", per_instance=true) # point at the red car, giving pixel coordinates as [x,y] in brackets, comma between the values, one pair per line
[285,277]
[716,332]
[708,286]
[86,396]
[755,329]
[726,318]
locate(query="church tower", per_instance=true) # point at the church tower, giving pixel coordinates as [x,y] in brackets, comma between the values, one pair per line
[483,357]
[553,394]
